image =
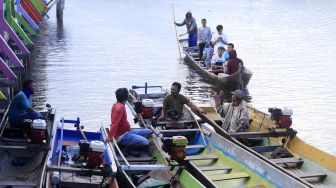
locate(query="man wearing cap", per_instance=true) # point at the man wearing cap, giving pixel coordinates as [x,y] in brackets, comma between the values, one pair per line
[190,22]
[235,115]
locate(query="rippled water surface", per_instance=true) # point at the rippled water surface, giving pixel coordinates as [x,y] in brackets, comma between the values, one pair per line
[103,45]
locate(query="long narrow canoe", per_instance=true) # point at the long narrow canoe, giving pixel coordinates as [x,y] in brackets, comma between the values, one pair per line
[22,161]
[238,80]
[67,166]
[214,160]
[282,148]
[150,168]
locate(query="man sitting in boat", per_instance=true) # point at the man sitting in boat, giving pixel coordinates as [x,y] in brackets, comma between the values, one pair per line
[190,22]
[120,129]
[207,55]
[21,105]
[234,114]
[233,63]
[173,104]
[218,60]
[219,38]
[230,47]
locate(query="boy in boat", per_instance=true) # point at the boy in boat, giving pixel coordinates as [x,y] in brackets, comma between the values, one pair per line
[120,129]
[219,38]
[235,115]
[204,37]
[190,22]
[173,104]
[218,60]
[21,105]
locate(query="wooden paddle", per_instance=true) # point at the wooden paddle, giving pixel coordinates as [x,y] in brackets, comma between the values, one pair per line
[177,39]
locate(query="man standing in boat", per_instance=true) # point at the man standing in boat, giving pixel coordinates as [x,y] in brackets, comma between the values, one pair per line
[173,104]
[235,115]
[21,105]
[120,129]
[204,37]
[190,22]
[219,38]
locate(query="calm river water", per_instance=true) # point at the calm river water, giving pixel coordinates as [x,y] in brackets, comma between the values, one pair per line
[104,45]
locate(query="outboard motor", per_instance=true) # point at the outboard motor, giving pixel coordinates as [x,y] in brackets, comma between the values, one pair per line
[95,156]
[92,152]
[37,132]
[147,110]
[175,147]
[282,117]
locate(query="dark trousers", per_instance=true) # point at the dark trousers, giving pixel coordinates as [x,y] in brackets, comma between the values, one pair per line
[201,49]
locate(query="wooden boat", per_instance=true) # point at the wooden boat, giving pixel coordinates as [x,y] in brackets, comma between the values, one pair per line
[80,159]
[212,159]
[150,168]
[23,152]
[238,80]
[281,147]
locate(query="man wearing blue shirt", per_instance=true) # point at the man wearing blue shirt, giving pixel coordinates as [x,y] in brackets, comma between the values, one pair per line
[21,105]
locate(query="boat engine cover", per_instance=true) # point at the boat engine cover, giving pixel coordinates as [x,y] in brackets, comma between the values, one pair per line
[38,131]
[94,159]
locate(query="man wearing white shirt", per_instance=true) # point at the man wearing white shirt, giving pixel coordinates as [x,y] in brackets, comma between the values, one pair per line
[204,37]
[219,39]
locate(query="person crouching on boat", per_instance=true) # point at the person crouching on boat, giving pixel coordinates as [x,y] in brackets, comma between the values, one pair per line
[235,115]
[218,60]
[21,105]
[173,104]
[190,22]
[120,128]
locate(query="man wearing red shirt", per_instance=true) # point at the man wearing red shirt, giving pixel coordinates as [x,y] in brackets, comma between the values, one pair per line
[120,129]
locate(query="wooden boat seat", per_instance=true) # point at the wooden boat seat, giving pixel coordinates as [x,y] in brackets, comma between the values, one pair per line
[17,184]
[256,186]
[179,132]
[201,157]
[177,122]
[195,147]
[213,168]
[262,149]
[277,133]
[138,159]
[237,175]
[311,175]
[287,160]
